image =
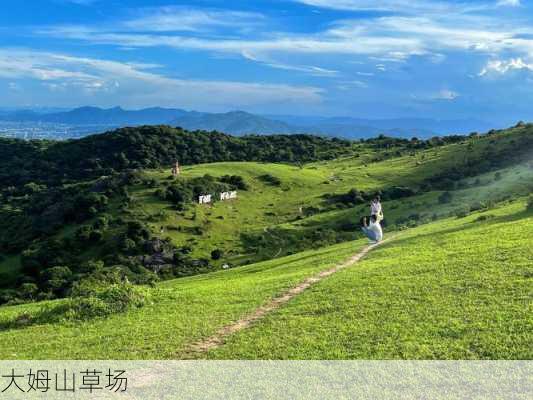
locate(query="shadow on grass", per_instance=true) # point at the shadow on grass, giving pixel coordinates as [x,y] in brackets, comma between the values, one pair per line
[45,315]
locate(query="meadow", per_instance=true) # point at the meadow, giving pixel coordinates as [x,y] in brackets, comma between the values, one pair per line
[456,289]
[453,282]
[452,289]
[180,311]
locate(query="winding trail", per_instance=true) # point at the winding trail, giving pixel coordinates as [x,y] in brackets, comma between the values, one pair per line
[216,340]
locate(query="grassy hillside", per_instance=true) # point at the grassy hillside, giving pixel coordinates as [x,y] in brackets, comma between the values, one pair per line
[270,215]
[109,224]
[180,311]
[456,288]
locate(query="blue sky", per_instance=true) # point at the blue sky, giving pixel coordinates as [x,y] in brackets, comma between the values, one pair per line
[360,58]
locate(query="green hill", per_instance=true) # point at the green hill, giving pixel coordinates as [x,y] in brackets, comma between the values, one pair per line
[97,208]
[90,253]
[456,288]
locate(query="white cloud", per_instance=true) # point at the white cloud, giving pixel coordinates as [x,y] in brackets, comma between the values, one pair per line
[421,28]
[509,3]
[181,19]
[503,66]
[134,84]
[80,2]
[393,38]
[351,85]
[383,5]
[307,69]
[325,42]
[441,95]
[446,94]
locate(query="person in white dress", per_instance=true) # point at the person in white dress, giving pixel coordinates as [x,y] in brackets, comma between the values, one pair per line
[376,208]
[372,229]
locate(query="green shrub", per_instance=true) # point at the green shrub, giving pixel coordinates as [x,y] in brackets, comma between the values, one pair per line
[270,179]
[216,254]
[7,295]
[56,279]
[83,233]
[84,308]
[530,203]
[96,236]
[462,213]
[102,222]
[91,299]
[445,198]
[28,290]
[235,180]
[484,217]
[476,206]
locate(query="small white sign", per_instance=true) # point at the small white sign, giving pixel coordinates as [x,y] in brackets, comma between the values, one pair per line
[228,195]
[204,199]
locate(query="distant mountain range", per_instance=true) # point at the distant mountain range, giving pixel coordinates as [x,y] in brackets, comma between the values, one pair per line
[241,123]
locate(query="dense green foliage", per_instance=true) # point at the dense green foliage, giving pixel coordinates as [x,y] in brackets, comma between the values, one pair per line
[151,147]
[53,264]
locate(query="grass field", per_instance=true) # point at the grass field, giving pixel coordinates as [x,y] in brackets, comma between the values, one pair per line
[457,288]
[181,311]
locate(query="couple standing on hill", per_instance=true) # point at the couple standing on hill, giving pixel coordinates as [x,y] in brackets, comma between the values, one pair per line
[371,226]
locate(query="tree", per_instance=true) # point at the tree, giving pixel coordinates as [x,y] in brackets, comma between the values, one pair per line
[445,198]
[216,254]
[28,291]
[56,279]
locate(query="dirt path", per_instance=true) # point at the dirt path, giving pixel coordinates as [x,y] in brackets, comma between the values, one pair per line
[219,337]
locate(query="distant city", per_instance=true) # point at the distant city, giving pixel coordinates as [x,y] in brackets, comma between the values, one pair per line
[48,130]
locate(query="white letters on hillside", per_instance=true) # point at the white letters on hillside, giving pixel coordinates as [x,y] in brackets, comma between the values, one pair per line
[204,199]
[228,195]
[208,198]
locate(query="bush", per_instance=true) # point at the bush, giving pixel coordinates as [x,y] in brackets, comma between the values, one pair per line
[84,308]
[56,279]
[530,203]
[96,236]
[397,192]
[7,295]
[127,245]
[28,290]
[462,213]
[445,198]
[91,299]
[235,180]
[137,231]
[270,179]
[484,217]
[216,254]
[83,233]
